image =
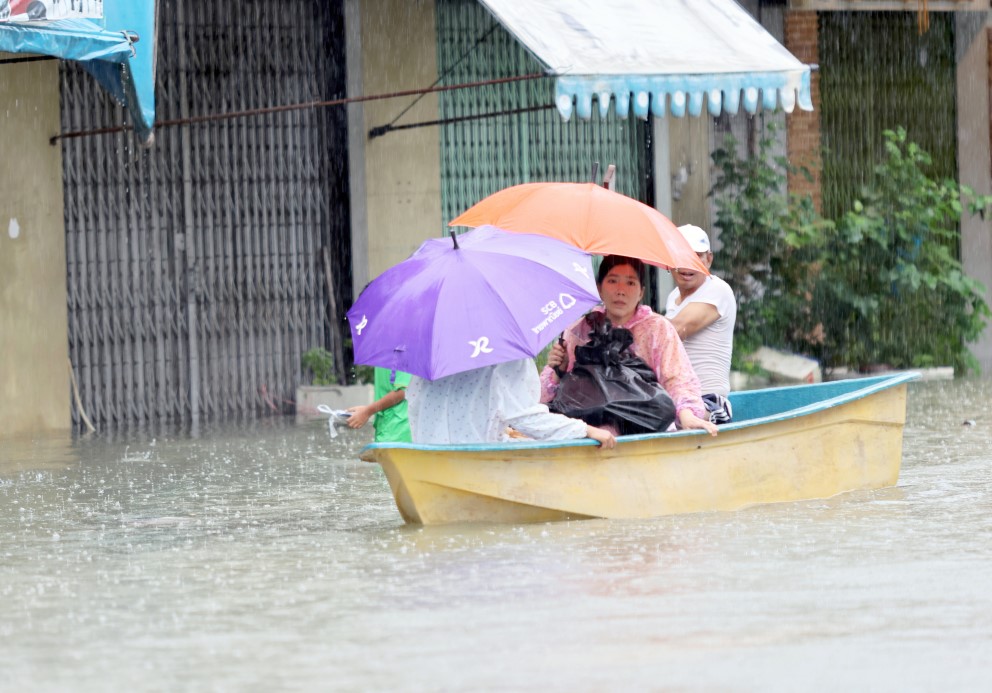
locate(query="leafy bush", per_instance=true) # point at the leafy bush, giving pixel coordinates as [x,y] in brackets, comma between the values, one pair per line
[320,362]
[880,285]
[892,287]
[364,375]
[768,247]
[360,375]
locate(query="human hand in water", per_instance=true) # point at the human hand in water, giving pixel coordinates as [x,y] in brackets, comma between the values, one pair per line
[605,439]
[689,420]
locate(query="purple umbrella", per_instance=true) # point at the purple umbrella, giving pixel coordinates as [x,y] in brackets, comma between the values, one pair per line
[481,298]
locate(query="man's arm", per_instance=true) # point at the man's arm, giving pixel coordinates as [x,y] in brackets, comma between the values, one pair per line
[694,317]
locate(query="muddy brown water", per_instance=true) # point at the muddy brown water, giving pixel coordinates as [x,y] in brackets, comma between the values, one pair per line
[267,557]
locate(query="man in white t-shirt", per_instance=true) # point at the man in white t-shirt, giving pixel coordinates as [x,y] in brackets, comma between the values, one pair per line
[703,310]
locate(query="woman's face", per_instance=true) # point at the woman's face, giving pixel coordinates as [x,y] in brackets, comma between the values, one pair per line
[621,292]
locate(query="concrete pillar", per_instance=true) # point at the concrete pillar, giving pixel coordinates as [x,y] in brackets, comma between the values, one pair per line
[34,345]
[662,196]
[396,178]
[973,33]
[357,134]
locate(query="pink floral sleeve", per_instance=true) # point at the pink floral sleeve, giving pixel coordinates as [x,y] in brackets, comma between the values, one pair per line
[549,384]
[657,342]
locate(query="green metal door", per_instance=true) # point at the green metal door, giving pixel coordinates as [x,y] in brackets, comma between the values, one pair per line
[528,140]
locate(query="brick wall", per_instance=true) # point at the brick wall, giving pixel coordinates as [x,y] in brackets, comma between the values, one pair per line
[803,127]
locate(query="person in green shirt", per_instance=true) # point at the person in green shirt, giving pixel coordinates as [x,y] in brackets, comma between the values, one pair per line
[389,408]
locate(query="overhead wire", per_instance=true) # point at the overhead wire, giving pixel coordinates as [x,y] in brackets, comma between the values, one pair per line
[478,42]
[295,107]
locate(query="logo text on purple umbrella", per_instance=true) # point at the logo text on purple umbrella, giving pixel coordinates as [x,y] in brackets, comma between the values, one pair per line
[480,346]
[361,326]
[553,310]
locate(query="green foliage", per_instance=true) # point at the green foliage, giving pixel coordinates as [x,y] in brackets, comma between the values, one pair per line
[364,375]
[768,244]
[880,285]
[361,375]
[892,289]
[320,362]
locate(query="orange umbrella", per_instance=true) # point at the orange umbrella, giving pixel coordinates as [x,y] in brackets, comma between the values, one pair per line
[589,217]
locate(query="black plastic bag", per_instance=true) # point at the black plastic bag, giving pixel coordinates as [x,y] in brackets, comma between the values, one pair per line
[610,385]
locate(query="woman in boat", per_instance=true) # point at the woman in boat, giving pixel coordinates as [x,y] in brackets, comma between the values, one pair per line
[489,405]
[621,286]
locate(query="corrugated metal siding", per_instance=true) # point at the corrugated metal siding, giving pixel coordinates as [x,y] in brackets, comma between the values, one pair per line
[194,267]
[479,157]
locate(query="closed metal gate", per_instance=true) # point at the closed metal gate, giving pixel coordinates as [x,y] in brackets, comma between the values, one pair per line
[482,155]
[195,270]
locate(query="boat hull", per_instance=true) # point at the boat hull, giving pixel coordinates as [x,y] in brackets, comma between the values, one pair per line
[816,450]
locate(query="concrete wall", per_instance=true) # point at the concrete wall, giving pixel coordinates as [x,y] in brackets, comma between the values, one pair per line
[682,160]
[974,158]
[689,168]
[396,178]
[34,378]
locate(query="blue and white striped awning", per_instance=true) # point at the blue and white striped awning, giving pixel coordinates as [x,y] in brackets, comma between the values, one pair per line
[657,56]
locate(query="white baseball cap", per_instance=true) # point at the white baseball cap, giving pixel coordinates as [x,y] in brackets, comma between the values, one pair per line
[697,238]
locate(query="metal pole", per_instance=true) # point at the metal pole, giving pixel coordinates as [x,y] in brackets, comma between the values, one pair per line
[192,278]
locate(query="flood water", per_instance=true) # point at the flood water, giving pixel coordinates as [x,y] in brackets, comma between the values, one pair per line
[269,558]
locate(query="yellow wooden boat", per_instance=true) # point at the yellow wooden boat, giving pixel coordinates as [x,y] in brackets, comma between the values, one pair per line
[786,444]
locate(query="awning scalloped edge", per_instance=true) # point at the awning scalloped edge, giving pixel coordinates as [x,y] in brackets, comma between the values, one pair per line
[681,94]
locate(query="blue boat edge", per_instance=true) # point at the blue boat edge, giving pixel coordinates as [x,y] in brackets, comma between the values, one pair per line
[751,408]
